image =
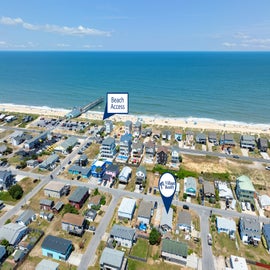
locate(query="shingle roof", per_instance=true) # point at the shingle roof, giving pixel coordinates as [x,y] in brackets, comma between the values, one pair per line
[57,244]
[25,216]
[122,232]
[112,257]
[108,141]
[73,219]
[142,169]
[58,205]
[47,265]
[145,209]
[184,217]
[46,202]
[11,232]
[54,186]
[208,187]
[174,247]
[78,194]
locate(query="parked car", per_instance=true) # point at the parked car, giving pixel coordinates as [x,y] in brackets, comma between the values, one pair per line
[235,156]
[209,239]
[267,168]
[185,207]
[155,204]
[248,206]
[243,206]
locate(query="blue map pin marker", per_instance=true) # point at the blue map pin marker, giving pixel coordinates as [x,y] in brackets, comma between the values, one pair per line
[167,187]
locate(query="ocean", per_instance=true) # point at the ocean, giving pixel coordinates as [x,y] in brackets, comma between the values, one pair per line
[223,86]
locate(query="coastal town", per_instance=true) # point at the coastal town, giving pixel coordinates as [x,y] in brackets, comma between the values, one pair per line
[78,192]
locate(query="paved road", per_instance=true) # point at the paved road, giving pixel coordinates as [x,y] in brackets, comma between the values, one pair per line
[89,255]
[27,197]
[207,255]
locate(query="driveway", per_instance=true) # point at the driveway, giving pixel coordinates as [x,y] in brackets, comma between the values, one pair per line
[264,155]
[75,258]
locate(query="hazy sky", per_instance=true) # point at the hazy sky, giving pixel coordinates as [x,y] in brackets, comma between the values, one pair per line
[141,25]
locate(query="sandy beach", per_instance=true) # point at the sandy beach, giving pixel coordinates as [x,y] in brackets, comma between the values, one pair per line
[181,123]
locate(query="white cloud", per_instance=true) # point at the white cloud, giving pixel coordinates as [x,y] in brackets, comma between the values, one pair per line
[64,30]
[229,44]
[241,35]
[62,45]
[3,43]
[92,46]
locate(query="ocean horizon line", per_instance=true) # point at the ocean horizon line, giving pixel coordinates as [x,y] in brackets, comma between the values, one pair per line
[188,119]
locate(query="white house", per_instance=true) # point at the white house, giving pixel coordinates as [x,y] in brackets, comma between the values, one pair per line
[125,175]
[123,235]
[126,208]
[226,225]
[238,263]
[166,220]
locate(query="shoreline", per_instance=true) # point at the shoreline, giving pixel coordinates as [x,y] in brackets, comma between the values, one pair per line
[181,123]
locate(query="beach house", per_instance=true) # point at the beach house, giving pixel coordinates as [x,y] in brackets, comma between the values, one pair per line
[78,197]
[112,259]
[26,217]
[98,168]
[108,148]
[128,127]
[174,251]
[32,143]
[263,144]
[123,235]
[85,172]
[266,234]
[49,163]
[137,151]
[6,180]
[178,136]
[166,222]
[146,132]
[69,143]
[46,204]
[125,175]
[150,150]
[238,263]
[166,135]
[189,138]
[225,192]
[250,230]
[125,145]
[162,155]
[126,208]
[47,265]
[244,190]
[190,186]
[54,189]
[137,129]
[225,225]
[175,154]
[212,137]
[227,140]
[13,232]
[140,175]
[108,126]
[56,247]
[144,212]
[264,201]
[73,224]
[247,141]
[208,189]
[184,221]
[201,138]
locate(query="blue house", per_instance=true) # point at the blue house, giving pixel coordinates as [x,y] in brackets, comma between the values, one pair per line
[83,171]
[98,168]
[56,247]
[266,234]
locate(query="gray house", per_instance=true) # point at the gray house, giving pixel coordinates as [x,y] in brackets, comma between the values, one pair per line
[140,175]
[26,217]
[212,137]
[174,251]
[247,141]
[184,221]
[150,149]
[13,232]
[73,224]
[123,235]
[201,138]
[108,148]
[6,179]
[208,189]
[49,163]
[250,230]
[144,212]
[166,135]
[112,259]
[128,127]
[262,144]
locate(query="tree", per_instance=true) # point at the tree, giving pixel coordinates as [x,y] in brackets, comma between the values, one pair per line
[154,237]
[96,192]
[217,195]
[68,208]
[4,242]
[16,192]
[69,149]
[185,196]
[103,200]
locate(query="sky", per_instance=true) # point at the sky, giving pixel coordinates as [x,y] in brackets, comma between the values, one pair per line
[141,25]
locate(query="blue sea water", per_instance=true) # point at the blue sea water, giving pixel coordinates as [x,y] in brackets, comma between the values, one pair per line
[229,86]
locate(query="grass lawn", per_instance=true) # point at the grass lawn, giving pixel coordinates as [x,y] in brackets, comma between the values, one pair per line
[137,265]
[5,196]
[140,249]
[6,266]
[27,184]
